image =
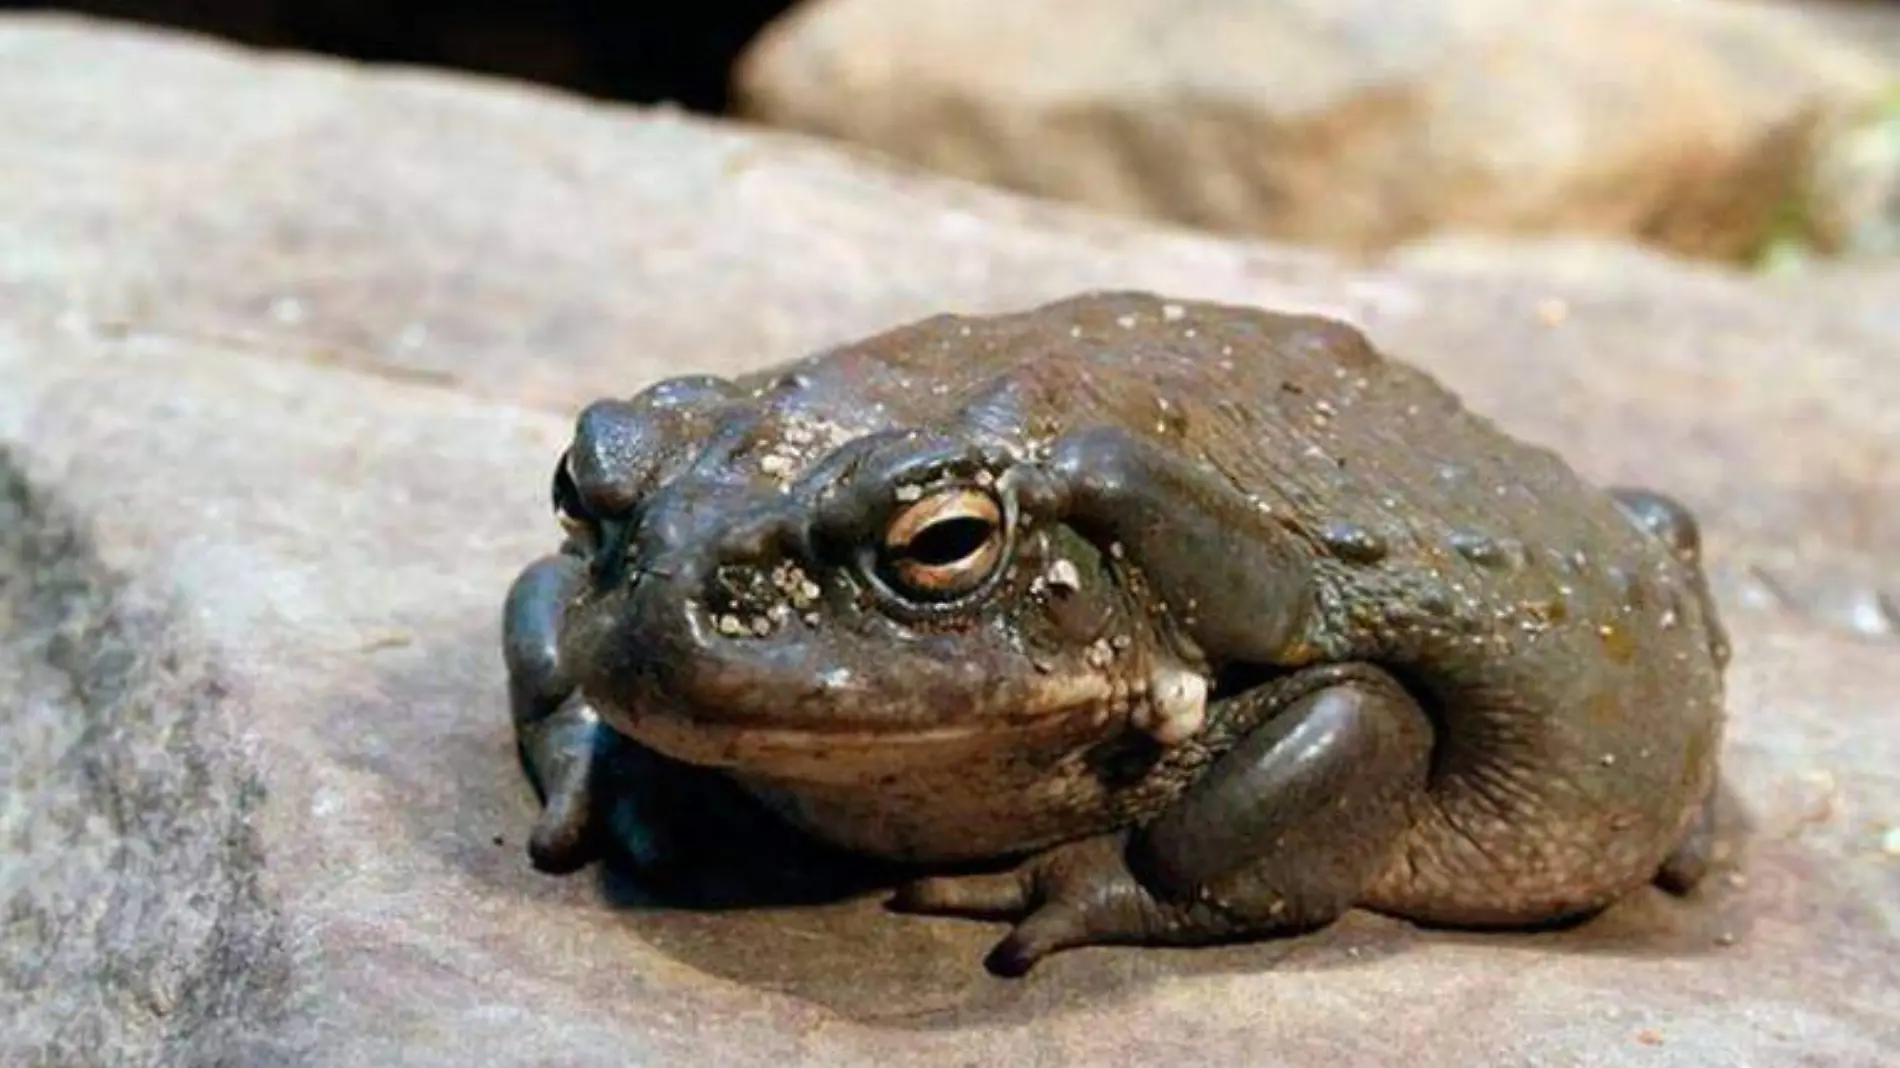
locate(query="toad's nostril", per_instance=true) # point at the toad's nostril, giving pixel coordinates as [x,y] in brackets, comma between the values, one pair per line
[732,563]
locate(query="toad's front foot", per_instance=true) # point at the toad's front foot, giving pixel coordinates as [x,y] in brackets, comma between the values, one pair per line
[1078,894]
[559,754]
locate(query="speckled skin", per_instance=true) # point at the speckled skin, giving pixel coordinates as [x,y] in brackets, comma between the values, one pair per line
[1443,677]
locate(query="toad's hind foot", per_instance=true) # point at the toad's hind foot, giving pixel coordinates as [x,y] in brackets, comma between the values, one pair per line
[1077,894]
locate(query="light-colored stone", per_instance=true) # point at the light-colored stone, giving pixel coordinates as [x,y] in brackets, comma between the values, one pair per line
[1358,124]
[295,344]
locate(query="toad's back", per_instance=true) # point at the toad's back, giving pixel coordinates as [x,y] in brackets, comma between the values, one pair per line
[1570,657]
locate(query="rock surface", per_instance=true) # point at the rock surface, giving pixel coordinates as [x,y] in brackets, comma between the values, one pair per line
[1686,123]
[287,348]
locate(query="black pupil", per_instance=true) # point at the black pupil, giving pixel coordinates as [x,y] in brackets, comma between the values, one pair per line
[949,541]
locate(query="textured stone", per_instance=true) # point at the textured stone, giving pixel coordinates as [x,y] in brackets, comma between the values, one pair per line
[286,352]
[1688,123]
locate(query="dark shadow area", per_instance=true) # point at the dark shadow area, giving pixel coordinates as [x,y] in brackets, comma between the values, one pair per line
[683,838]
[637,52]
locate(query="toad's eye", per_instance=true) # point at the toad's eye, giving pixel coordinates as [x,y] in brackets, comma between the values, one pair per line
[569,510]
[945,545]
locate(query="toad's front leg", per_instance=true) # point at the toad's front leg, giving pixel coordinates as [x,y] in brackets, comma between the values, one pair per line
[558,735]
[1282,834]
[600,791]
[555,732]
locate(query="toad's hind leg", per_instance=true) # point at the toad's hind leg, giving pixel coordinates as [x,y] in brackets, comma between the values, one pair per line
[1672,522]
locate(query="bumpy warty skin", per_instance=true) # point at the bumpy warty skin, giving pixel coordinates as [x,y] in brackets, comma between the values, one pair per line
[1566,654]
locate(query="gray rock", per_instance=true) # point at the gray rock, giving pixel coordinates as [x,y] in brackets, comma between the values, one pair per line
[138,927]
[286,352]
[1690,124]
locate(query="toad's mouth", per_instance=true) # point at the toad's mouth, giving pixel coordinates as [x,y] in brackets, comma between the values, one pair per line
[905,720]
[1168,703]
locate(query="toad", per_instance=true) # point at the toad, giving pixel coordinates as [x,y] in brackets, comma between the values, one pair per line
[1201,622]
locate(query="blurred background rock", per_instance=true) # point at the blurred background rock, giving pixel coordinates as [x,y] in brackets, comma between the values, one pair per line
[618,49]
[1760,132]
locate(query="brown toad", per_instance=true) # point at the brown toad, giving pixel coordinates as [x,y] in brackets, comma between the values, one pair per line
[1214,620]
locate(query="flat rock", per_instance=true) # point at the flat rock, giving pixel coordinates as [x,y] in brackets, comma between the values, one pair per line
[288,349]
[1691,124]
